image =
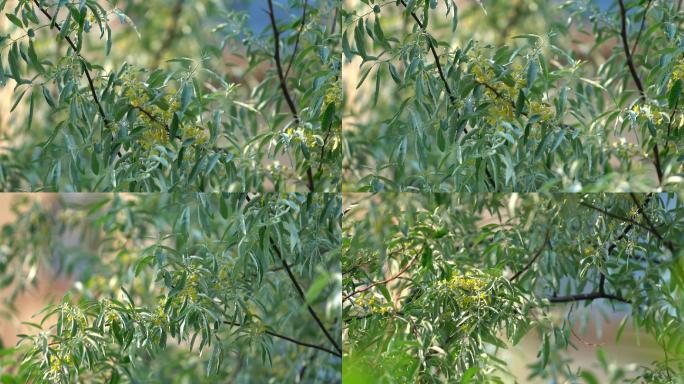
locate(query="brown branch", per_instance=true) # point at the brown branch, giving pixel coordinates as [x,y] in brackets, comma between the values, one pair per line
[649,223]
[447,88]
[389,279]
[302,296]
[299,34]
[637,80]
[586,297]
[83,60]
[641,27]
[283,85]
[535,257]
[299,288]
[452,98]
[615,216]
[298,342]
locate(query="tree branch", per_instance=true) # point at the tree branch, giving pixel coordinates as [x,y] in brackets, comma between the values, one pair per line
[303,297]
[615,216]
[83,60]
[283,85]
[587,297]
[649,223]
[637,80]
[447,88]
[641,27]
[298,287]
[299,34]
[535,257]
[302,343]
[385,281]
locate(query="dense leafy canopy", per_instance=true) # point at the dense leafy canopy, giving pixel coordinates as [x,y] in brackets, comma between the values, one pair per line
[110,98]
[589,100]
[180,288]
[436,286]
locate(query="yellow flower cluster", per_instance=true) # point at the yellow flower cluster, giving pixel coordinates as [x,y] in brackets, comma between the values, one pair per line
[156,119]
[677,74]
[154,135]
[374,305]
[190,289]
[301,135]
[196,133]
[633,212]
[627,149]
[333,96]
[648,112]
[503,95]
[469,288]
[160,318]
[59,360]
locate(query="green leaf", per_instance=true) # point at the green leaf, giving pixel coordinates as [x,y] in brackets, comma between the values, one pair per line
[48,98]
[532,71]
[142,263]
[186,96]
[469,374]
[589,377]
[359,39]
[545,350]
[30,116]
[621,329]
[328,117]
[520,103]
[394,73]
[675,91]
[15,20]
[94,163]
[317,287]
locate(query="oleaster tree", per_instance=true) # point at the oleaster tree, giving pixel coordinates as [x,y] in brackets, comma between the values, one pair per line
[179,288]
[224,108]
[437,287]
[588,101]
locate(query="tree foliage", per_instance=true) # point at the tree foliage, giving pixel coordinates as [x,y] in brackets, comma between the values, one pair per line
[181,287]
[232,109]
[435,287]
[538,110]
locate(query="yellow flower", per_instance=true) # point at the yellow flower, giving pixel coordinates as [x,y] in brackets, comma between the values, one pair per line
[333,96]
[55,366]
[633,212]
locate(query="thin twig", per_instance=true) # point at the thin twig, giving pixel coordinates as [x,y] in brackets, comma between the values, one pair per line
[637,81]
[389,279]
[587,297]
[649,223]
[300,291]
[298,342]
[535,257]
[615,216]
[641,27]
[299,34]
[452,98]
[447,88]
[283,84]
[298,287]
[294,281]
[85,67]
